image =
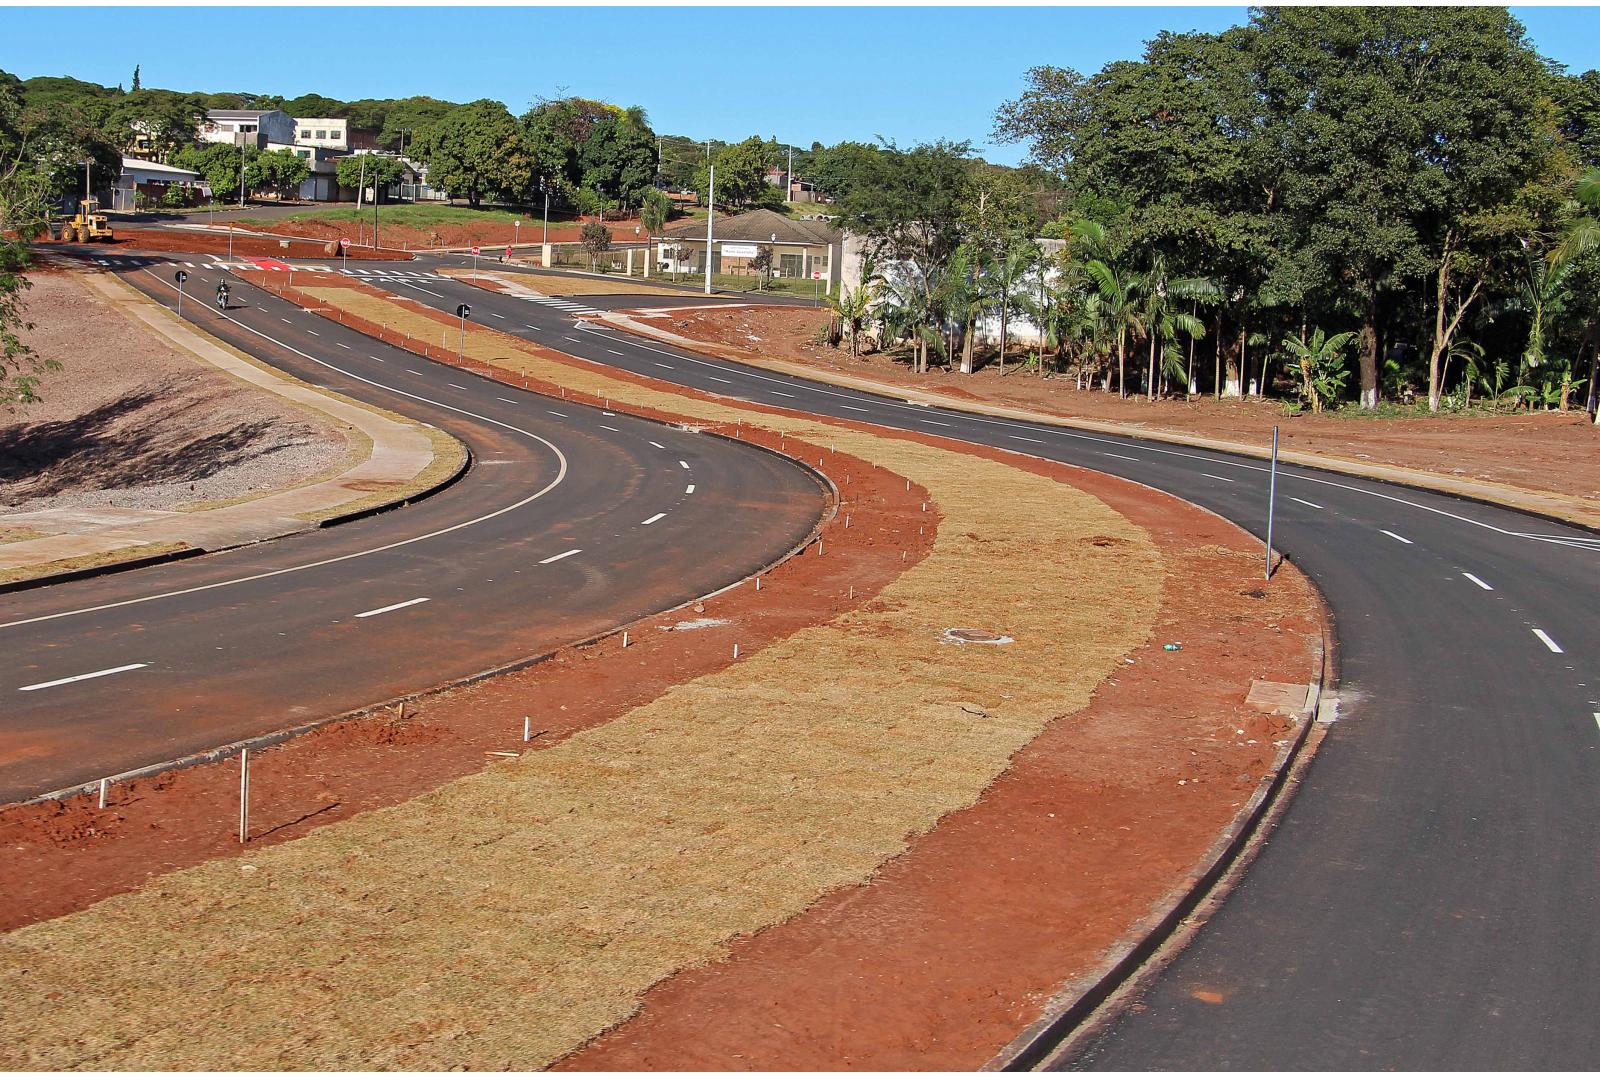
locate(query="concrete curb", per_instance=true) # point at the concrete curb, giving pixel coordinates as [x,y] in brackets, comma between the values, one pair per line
[1530,502]
[96,571]
[1075,1002]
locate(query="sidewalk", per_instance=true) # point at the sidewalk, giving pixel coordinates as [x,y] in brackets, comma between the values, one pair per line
[393,469]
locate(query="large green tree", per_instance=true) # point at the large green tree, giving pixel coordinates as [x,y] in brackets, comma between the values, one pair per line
[478,151]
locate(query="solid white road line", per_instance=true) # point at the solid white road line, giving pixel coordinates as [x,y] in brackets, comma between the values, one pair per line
[1478,581]
[1549,642]
[1307,502]
[651,520]
[81,678]
[1124,457]
[1396,536]
[391,607]
[420,289]
[1226,480]
[558,558]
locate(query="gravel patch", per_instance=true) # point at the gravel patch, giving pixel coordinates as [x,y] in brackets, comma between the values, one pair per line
[129,421]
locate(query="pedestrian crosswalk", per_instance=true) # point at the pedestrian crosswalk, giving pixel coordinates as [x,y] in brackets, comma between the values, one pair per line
[311,268]
[568,306]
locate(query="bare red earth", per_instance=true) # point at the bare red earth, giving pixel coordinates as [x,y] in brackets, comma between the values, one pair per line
[482,233]
[216,243]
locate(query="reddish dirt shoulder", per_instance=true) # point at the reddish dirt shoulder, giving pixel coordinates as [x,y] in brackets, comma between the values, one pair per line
[1539,451]
[483,233]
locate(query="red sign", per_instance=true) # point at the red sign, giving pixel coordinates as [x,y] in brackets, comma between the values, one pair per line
[474,249]
[344,242]
[816,275]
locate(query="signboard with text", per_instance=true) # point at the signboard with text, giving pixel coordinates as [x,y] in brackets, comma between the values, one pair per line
[738,251]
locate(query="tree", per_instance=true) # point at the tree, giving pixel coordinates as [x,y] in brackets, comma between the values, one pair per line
[1009,272]
[135,87]
[761,263]
[24,191]
[310,105]
[1118,289]
[654,210]
[1163,319]
[168,121]
[375,171]
[280,170]
[852,306]
[399,122]
[1322,365]
[478,151]
[742,174]
[596,239]
[217,164]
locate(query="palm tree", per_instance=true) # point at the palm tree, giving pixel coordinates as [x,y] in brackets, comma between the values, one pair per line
[1119,289]
[1583,236]
[852,307]
[962,297]
[1163,321]
[1009,271]
[910,309]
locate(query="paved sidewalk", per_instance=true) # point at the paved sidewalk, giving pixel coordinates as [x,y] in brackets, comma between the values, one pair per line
[400,452]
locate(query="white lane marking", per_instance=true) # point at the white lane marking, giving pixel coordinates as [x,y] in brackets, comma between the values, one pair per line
[1022,438]
[652,519]
[496,315]
[685,464]
[529,326]
[283,320]
[1124,457]
[779,393]
[571,338]
[724,382]
[1597,719]
[561,475]
[854,408]
[189,265]
[1395,535]
[614,352]
[379,359]
[608,427]
[419,288]
[1226,480]
[558,558]
[1478,581]
[1068,433]
[689,490]
[313,333]
[935,423]
[1307,502]
[655,444]
[414,371]
[341,344]
[507,400]
[391,607]
[1549,642]
[457,385]
[81,678]
[669,367]
[552,412]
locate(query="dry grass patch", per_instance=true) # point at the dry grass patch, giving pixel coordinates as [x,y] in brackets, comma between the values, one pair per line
[562,285]
[506,918]
[15,534]
[88,562]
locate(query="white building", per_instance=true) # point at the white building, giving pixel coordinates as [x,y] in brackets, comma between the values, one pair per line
[325,132]
[247,127]
[150,178]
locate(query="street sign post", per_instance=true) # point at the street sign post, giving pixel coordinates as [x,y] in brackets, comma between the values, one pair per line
[180,277]
[344,252]
[474,256]
[816,276]
[462,311]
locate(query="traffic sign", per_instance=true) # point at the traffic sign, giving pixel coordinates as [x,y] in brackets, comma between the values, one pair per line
[462,311]
[816,275]
[474,249]
[181,276]
[344,241]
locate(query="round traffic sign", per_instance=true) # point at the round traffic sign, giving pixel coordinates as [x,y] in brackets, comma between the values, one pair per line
[344,241]
[474,249]
[181,276]
[462,311]
[816,275]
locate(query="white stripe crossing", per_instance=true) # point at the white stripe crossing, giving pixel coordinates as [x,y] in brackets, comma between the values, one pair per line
[1306,502]
[653,518]
[1395,536]
[392,607]
[1478,581]
[1549,642]
[81,678]
[558,558]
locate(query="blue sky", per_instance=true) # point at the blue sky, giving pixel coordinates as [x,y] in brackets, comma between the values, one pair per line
[797,73]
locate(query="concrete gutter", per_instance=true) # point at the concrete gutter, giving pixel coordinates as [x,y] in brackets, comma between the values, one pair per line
[400,452]
[1553,506]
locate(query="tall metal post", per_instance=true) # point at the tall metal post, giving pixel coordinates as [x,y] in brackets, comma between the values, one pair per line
[241,174]
[244,795]
[1272,497]
[711,213]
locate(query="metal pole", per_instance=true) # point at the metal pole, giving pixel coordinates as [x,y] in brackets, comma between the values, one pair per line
[546,215]
[180,299]
[711,213]
[230,241]
[87,195]
[461,353]
[244,795]
[241,174]
[1272,497]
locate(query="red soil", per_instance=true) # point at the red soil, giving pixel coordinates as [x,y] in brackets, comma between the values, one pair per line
[210,243]
[483,233]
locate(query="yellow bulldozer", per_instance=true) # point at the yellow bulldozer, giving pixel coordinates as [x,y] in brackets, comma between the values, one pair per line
[89,224]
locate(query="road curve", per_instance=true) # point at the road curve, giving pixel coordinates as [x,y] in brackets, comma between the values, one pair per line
[571,521]
[1429,900]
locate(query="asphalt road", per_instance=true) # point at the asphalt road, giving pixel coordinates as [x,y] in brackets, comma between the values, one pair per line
[571,521]
[1430,899]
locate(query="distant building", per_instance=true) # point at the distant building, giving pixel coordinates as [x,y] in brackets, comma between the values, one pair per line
[247,127]
[321,185]
[800,248]
[150,179]
[327,133]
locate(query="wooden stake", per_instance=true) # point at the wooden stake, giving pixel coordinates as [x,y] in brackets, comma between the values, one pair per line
[103,785]
[736,650]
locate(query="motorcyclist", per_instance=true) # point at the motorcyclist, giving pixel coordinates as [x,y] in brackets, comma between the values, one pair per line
[222,296]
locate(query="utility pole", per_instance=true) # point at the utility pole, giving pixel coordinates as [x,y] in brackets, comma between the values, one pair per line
[711,213]
[241,174]
[788,178]
[545,188]
[86,194]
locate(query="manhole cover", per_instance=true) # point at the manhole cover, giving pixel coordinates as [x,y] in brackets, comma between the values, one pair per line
[962,635]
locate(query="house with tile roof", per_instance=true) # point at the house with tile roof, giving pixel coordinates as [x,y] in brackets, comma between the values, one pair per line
[801,247]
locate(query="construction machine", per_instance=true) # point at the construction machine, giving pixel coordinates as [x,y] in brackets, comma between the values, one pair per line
[89,224]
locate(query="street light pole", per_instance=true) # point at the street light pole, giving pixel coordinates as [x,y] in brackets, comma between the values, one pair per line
[711,213]
[241,174]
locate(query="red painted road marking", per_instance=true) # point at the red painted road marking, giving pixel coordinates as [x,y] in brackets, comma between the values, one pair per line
[271,264]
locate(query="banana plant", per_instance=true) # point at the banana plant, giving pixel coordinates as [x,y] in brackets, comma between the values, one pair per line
[1321,359]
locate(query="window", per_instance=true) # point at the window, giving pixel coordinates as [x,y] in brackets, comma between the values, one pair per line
[305,133]
[789,265]
[302,153]
[335,134]
[322,134]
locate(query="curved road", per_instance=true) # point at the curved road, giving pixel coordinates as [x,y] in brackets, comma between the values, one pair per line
[571,521]
[1432,896]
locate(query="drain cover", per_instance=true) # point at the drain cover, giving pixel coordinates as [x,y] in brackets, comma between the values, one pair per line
[962,635]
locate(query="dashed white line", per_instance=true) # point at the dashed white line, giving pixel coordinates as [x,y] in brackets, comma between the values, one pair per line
[552,412]
[341,344]
[685,464]
[1023,438]
[725,382]
[608,427]
[379,359]
[1395,536]
[569,337]
[1226,480]
[1307,502]
[496,315]
[614,352]
[652,519]
[414,371]
[283,320]
[935,423]
[558,558]
[689,490]
[655,444]
[854,408]
[669,367]
[1549,642]
[313,333]
[392,607]
[1124,457]
[779,393]
[81,678]
[508,401]
[457,385]
[1478,581]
